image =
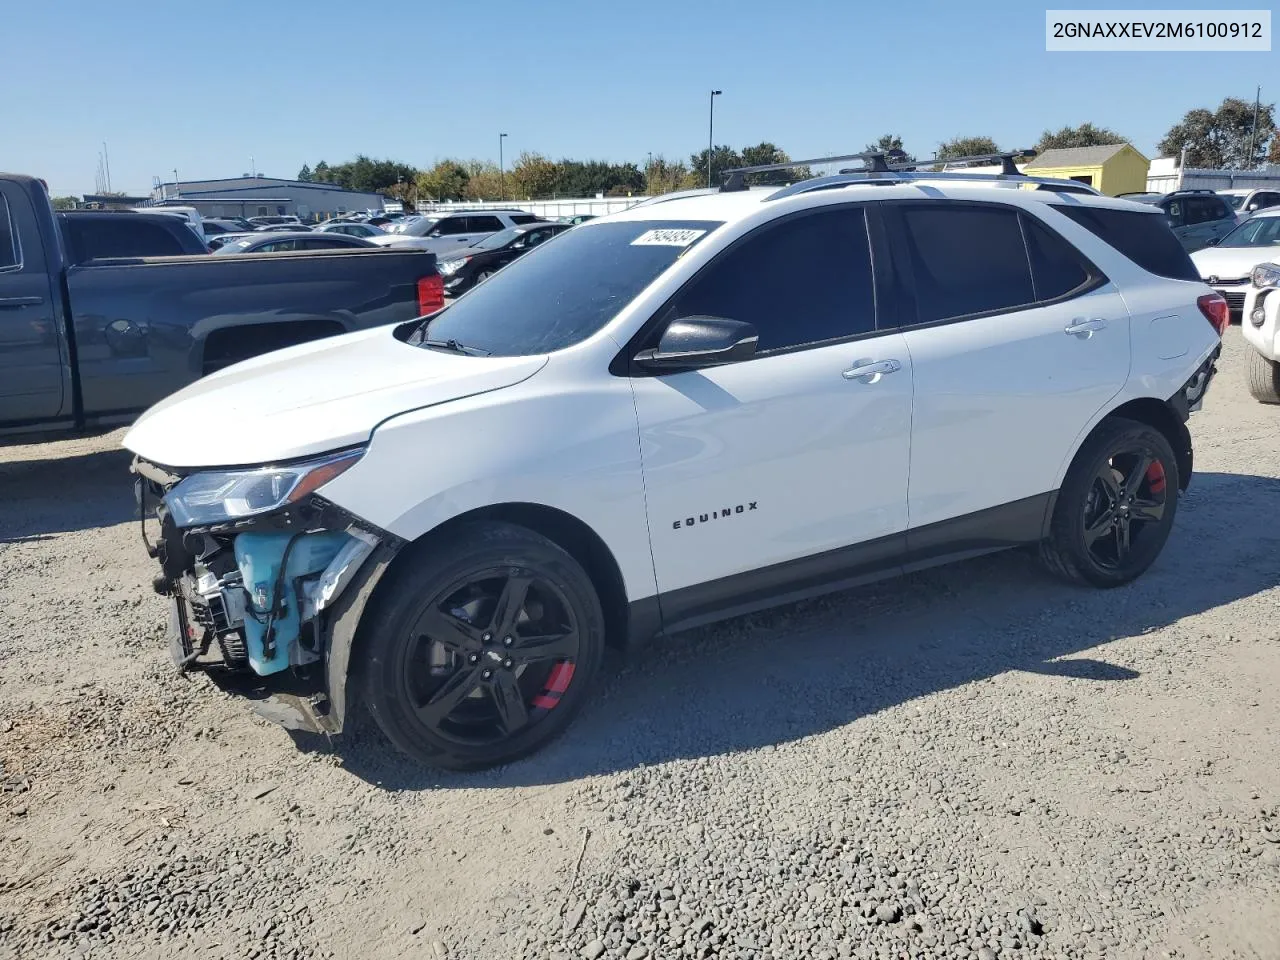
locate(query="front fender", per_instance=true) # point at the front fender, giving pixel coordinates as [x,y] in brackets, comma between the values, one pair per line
[342,621]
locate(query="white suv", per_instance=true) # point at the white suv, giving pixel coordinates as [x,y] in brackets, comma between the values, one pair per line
[672,415]
[444,234]
[1261,328]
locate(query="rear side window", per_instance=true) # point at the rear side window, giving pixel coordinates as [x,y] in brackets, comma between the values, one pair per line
[966,260]
[484,224]
[8,238]
[1204,209]
[523,218]
[1057,268]
[106,235]
[805,280]
[452,225]
[1145,238]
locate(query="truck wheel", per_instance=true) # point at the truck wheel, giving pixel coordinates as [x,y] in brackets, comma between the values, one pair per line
[484,649]
[1116,506]
[1264,378]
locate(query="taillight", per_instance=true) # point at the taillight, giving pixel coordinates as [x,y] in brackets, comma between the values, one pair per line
[431,294]
[1215,310]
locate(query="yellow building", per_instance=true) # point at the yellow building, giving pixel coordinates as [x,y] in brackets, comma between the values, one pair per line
[1113,169]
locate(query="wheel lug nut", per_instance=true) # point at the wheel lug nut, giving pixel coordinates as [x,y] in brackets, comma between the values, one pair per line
[487,637]
[487,674]
[508,663]
[474,658]
[508,641]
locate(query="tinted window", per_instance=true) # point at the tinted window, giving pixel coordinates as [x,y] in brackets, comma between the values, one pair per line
[1057,268]
[450,226]
[802,281]
[1203,209]
[108,235]
[563,292]
[484,224]
[1142,237]
[1254,232]
[966,260]
[8,237]
[1267,200]
[524,218]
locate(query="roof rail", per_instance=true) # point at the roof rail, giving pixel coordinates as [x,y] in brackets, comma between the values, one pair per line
[875,161]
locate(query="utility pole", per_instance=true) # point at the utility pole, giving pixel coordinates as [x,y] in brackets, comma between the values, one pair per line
[177,192]
[106,160]
[502,177]
[711,133]
[1253,132]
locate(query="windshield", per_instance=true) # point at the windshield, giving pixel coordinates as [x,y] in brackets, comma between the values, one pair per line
[417,227]
[561,293]
[1235,199]
[495,240]
[1258,232]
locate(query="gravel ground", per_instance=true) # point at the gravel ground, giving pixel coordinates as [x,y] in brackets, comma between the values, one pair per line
[973,762]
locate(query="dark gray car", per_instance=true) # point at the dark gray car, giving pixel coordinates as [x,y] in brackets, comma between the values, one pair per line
[274,242]
[1198,217]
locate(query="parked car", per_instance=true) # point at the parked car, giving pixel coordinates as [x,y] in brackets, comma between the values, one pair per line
[101,234]
[91,332]
[675,414]
[443,234]
[1227,264]
[1196,216]
[484,258]
[267,221]
[350,229]
[1245,202]
[1261,328]
[223,239]
[580,218]
[189,215]
[215,228]
[276,241]
[282,228]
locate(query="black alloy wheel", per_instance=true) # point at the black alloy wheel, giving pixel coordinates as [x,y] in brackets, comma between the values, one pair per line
[1116,507]
[483,646]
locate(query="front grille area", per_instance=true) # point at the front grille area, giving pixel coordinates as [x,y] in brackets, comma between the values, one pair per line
[1234,300]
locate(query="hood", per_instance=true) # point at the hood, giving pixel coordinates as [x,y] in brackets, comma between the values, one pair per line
[310,399]
[398,240]
[1231,263]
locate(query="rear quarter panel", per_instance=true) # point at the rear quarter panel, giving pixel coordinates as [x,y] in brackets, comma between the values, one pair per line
[141,325]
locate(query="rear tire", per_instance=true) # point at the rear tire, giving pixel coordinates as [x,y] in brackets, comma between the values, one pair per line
[1264,378]
[1116,506]
[484,648]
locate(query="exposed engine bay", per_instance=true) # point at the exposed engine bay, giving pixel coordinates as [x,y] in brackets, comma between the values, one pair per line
[250,595]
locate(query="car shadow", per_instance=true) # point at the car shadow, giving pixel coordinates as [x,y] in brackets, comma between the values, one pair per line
[65,494]
[812,667]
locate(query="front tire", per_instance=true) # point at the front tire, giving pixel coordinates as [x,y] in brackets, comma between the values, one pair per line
[484,648]
[1264,378]
[1116,506]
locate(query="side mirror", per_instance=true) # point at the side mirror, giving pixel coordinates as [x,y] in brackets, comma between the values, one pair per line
[1213,241]
[692,342]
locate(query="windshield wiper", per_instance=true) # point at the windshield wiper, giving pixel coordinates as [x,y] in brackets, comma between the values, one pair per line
[456,347]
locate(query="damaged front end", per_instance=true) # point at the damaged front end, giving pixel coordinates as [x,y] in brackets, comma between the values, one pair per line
[261,572]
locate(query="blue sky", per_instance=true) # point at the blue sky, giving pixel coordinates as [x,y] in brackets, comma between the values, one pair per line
[419,81]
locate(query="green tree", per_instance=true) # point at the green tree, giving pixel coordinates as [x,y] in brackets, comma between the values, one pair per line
[766,153]
[722,159]
[888,143]
[305,173]
[64,203]
[1222,138]
[321,173]
[532,177]
[1085,135]
[484,180]
[663,176]
[446,180]
[966,147]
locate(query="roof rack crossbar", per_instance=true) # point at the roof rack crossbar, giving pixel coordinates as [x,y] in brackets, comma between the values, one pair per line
[876,161]
[897,177]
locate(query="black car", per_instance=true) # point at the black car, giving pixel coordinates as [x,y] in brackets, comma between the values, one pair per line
[98,234]
[466,267]
[274,241]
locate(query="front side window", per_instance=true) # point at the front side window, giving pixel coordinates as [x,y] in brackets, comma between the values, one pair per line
[966,260]
[497,240]
[563,292]
[804,280]
[519,218]
[1236,200]
[8,238]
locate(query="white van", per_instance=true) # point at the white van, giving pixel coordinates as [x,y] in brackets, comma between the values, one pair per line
[190,214]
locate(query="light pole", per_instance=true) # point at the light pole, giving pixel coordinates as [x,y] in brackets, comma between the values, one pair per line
[711,133]
[502,177]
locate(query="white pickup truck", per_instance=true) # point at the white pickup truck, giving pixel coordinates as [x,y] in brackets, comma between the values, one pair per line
[1261,327]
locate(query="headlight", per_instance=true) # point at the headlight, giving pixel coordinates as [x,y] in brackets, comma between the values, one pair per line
[217,496]
[1266,275]
[450,267]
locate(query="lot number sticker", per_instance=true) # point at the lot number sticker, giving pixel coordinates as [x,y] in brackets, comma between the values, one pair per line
[667,238]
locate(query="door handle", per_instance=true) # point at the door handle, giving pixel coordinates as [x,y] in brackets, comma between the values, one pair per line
[869,371]
[1084,328]
[20,302]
